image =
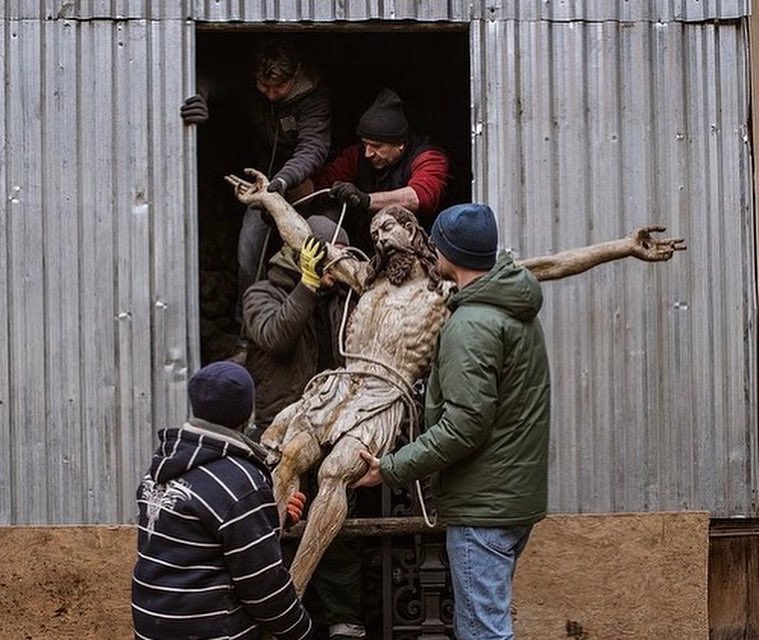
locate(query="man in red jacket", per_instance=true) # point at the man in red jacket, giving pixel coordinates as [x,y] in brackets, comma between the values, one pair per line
[389,166]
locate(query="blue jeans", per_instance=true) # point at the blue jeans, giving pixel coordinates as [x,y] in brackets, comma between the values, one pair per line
[250,252]
[482,561]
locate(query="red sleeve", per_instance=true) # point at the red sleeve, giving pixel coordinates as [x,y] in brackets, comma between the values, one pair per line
[343,168]
[429,177]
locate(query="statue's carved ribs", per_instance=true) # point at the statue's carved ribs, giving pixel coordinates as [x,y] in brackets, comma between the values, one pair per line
[398,326]
[419,337]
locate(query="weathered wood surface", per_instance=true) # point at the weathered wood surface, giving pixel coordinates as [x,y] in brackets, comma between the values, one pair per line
[374,527]
[734,586]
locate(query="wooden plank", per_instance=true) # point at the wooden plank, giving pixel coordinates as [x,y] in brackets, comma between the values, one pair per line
[752,587]
[374,527]
[727,588]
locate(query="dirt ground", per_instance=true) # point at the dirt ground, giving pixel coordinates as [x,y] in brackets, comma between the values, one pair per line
[587,577]
[65,582]
[615,577]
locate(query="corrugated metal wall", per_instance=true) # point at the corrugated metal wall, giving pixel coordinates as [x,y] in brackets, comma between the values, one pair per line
[590,129]
[95,296]
[588,119]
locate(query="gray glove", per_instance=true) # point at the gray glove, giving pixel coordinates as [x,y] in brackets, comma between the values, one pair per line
[277,185]
[194,110]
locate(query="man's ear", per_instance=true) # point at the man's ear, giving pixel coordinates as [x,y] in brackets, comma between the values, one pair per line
[412,228]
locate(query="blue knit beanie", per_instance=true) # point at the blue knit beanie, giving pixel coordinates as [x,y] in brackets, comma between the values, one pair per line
[467,235]
[222,393]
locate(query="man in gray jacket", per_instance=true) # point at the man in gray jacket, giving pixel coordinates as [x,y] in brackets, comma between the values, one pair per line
[292,324]
[487,411]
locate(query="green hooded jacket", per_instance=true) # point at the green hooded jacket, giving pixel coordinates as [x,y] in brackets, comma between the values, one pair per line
[487,407]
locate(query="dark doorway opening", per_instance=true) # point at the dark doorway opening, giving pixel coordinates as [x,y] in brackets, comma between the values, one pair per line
[427,65]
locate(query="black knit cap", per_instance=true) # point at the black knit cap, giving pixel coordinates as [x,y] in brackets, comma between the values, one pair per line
[384,121]
[222,393]
[467,235]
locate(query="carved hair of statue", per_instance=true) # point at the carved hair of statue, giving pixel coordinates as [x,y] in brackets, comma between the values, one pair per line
[397,267]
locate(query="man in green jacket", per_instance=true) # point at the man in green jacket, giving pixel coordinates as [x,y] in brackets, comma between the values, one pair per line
[487,411]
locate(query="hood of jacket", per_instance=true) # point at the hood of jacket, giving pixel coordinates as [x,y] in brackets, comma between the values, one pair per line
[508,286]
[306,80]
[198,443]
[283,269]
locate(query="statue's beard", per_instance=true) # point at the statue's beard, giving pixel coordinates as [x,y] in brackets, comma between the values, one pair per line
[397,266]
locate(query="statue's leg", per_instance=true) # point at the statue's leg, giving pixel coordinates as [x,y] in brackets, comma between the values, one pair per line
[340,468]
[298,456]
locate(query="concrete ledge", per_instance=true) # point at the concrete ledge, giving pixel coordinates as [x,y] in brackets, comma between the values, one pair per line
[599,577]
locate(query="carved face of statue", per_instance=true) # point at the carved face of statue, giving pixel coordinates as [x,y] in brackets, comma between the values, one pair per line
[394,242]
[390,235]
[403,249]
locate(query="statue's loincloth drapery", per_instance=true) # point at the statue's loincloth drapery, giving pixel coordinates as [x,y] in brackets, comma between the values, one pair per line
[359,402]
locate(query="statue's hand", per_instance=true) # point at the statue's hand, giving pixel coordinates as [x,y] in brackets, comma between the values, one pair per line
[250,192]
[645,247]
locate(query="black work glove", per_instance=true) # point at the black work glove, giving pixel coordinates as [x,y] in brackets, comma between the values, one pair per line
[348,193]
[277,185]
[194,110]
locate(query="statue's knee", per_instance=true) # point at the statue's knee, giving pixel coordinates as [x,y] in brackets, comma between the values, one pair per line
[289,457]
[331,474]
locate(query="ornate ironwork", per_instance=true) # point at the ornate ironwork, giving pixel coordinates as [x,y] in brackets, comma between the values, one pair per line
[407,589]
[419,598]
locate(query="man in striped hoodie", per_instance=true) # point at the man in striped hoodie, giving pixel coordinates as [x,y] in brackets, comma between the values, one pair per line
[209,561]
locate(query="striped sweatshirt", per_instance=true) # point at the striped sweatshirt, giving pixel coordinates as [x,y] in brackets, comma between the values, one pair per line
[209,563]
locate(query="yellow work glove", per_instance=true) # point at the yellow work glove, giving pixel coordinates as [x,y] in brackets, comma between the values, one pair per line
[311,254]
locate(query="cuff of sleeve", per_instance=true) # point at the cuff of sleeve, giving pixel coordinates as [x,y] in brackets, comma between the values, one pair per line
[305,294]
[388,472]
[284,178]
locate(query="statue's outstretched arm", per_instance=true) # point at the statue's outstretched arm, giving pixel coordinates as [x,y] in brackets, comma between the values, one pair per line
[292,227]
[639,244]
